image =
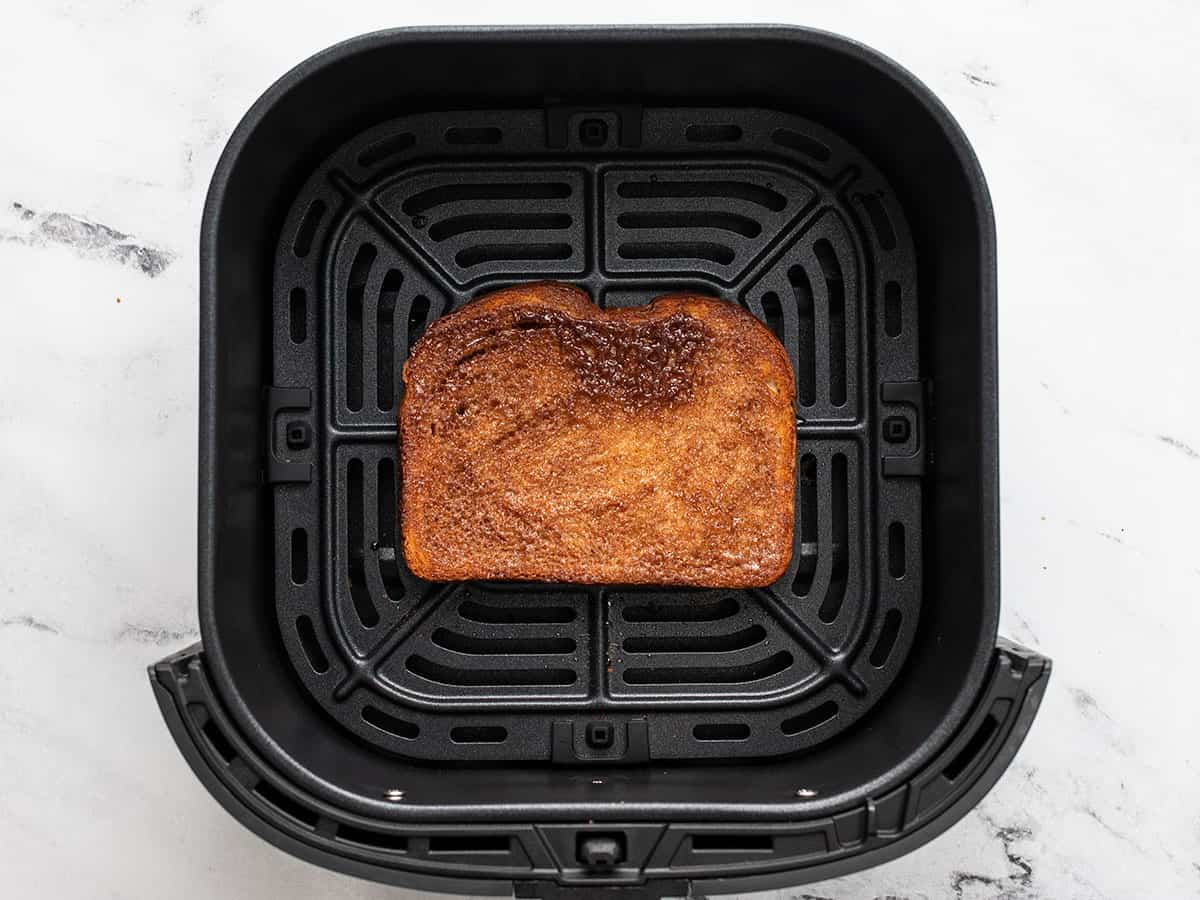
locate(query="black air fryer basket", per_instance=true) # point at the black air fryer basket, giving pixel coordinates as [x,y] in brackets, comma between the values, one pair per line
[492,738]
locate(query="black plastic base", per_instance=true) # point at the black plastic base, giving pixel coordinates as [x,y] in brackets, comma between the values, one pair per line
[649,859]
[409,220]
[288,567]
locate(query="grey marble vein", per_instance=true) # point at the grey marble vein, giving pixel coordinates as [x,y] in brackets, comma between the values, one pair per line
[1018,884]
[978,80]
[155,634]
[1186,449]
[89,239]
[26,621]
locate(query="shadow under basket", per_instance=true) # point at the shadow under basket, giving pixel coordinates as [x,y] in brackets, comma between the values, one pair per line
[492,738]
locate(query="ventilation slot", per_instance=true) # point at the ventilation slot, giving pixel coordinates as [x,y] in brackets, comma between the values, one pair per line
[377,840]
[727,190]
[385,386]
[473,843]
[523,646]
[418,318]
[699,643]
[806,565]
[286,804]
[879,221]
[299,556]
[978,742]
[836,289]
[717,253]
[682,612]
[432,671]
[806,337]
[515,615]
[385,149]
[801,143]
[721,221]
[298,316]
[460,193]
[733,843]
[893,322]
[732,731]
[360,271]
[389,566]
[896,561]
[887,638]
[359,592]
[453,227]
[756,671]
[486,253]
[840,550]
[311,646]
[713,134]
[479,734]
[218,740]
[473,136]
[385,722]
[308,228]
[818,715]
[773,313]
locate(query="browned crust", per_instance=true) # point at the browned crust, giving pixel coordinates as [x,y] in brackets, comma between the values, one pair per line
[544,438]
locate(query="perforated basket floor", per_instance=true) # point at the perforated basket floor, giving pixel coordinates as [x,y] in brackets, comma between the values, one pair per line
[415,217]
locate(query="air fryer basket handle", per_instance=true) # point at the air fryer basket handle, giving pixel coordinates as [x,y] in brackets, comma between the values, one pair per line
[898,820]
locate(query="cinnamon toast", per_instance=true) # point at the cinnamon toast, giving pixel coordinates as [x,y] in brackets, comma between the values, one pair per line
[544,438]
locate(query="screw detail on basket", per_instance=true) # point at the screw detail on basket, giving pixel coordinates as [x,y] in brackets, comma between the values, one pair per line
[394,795]
[806,793]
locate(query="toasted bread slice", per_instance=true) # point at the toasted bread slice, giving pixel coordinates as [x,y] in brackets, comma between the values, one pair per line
[544,438]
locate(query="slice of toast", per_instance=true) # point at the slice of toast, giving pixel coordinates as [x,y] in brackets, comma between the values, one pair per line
[543,438]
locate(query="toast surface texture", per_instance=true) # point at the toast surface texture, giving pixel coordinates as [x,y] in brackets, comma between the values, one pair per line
[543,438]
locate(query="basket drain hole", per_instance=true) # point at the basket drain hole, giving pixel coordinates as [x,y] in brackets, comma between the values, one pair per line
[806,336]
[806,565]
[385,149]
[308,228]
[389,723]
[893,322]
[887,638]
[727,190]
[479,734]
[487,614]
[896,551]
[818,715]
[755,671]
[696,643]
[835,289]
[713,134]
[360,594]
[839,550]
[298,316]
[682,612]
[299,556]
[728,731]
[801,143]
[397,843]
[311,646]
[471,677]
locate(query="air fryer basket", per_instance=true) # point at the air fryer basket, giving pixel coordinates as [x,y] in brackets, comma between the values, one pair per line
[477,737]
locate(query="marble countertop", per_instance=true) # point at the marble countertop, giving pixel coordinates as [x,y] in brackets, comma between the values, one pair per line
[1088,128]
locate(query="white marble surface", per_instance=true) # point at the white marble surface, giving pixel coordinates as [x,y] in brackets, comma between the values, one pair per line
[1088,127]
